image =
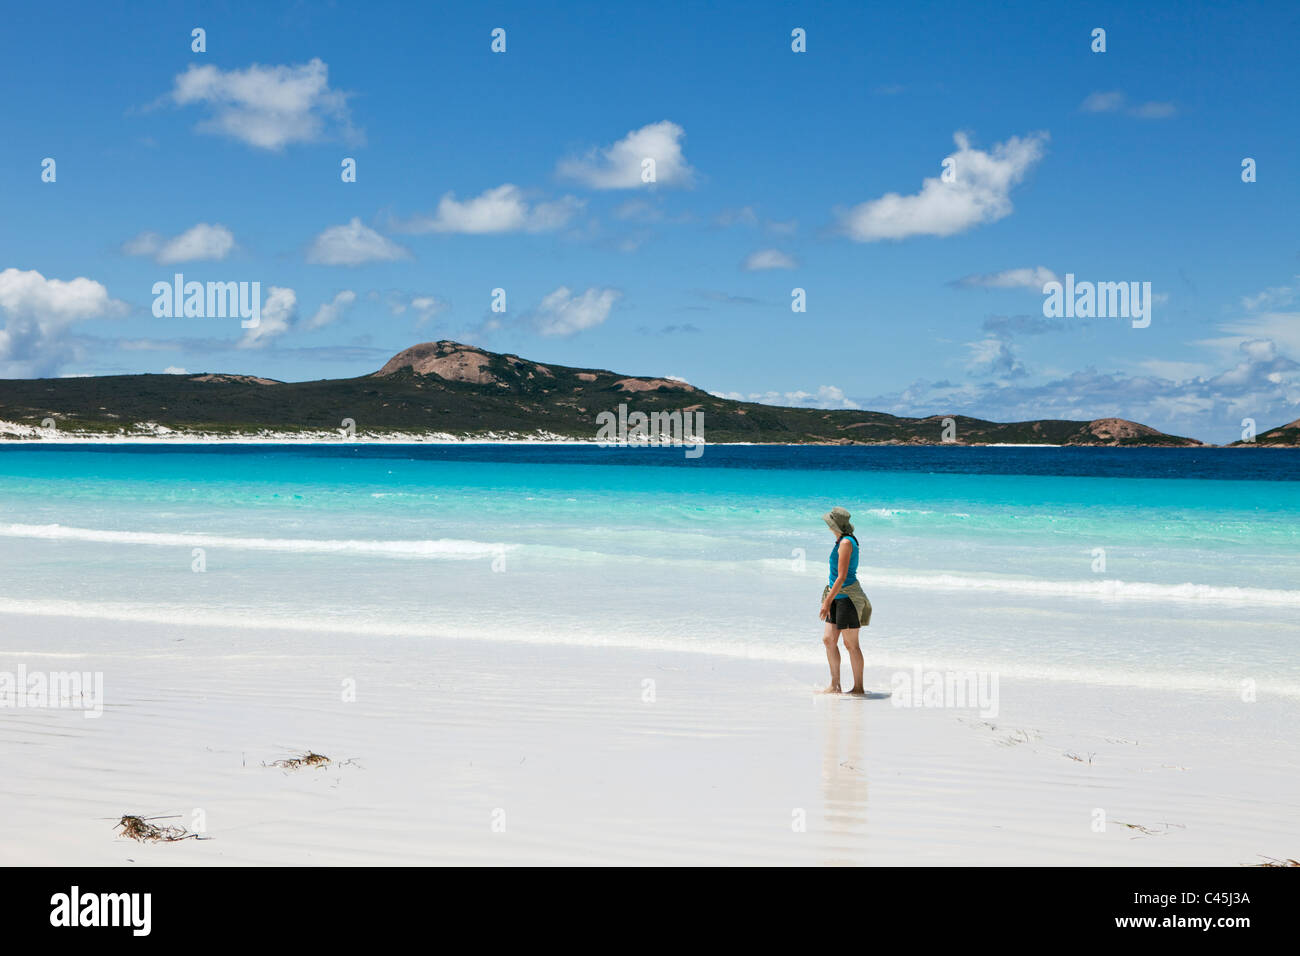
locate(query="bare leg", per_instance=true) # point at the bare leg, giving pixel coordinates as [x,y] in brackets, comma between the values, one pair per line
[850,636]
[831,638]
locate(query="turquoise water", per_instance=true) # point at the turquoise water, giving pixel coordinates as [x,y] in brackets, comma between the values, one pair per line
[983,558]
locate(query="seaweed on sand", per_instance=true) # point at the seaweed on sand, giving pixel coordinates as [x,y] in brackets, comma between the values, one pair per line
[1149,831]
[140,828]
[311,759]
[308,759]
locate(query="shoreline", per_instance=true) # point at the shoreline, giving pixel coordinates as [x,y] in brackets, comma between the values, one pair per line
[14,434]
[153,434]
[1089,680]
[8,441]
[152,431]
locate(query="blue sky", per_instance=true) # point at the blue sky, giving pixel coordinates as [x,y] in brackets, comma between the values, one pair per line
[775,170]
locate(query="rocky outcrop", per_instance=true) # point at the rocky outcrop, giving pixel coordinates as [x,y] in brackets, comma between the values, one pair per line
[455,362]
[650,384]
[241,379]
[448,360]
[1118,431]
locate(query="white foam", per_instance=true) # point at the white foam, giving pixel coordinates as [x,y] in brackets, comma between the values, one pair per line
[184,617]
[1107,590]
[445,548]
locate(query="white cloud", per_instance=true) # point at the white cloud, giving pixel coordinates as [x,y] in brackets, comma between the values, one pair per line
[1023,278]
[1154,110]
[502,209]
[1114,101]
[993,355]
[562,313]
[742,216]
[174,370]
[1176,371]
[353,244]
[1259,379]
[638,210]
[28,293]
[831,396]
[768,259]
[826,396]
[1270,298]
[1280,327]
[145,244]
[1211,408]
[266,106]
[979,194]
[619,166]
[198,243]
[1108,102]
[748,216]
[425,307]
[277,315]
[37,314]
[330,312]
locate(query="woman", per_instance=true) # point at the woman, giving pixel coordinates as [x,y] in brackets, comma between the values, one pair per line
[845,607]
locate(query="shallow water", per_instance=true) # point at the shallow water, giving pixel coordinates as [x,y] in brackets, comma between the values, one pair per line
[988,558]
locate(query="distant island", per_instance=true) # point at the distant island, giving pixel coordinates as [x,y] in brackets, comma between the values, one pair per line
[447,391]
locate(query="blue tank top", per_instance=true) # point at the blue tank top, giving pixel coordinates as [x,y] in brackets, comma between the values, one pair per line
[835,566]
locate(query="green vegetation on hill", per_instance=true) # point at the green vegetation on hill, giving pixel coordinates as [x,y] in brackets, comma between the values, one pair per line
[1287,436]
[474,393]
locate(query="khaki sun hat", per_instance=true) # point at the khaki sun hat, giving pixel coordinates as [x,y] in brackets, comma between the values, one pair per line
[837,519]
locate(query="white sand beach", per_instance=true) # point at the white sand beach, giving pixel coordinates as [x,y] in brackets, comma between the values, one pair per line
[485,751]
[152,433]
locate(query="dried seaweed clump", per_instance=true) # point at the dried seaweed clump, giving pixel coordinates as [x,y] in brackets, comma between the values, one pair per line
[309,759]
[139,828]
[1150,831]
[1273,861]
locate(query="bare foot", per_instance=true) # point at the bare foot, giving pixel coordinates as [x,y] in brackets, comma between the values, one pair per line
[833,689]
[857,692]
